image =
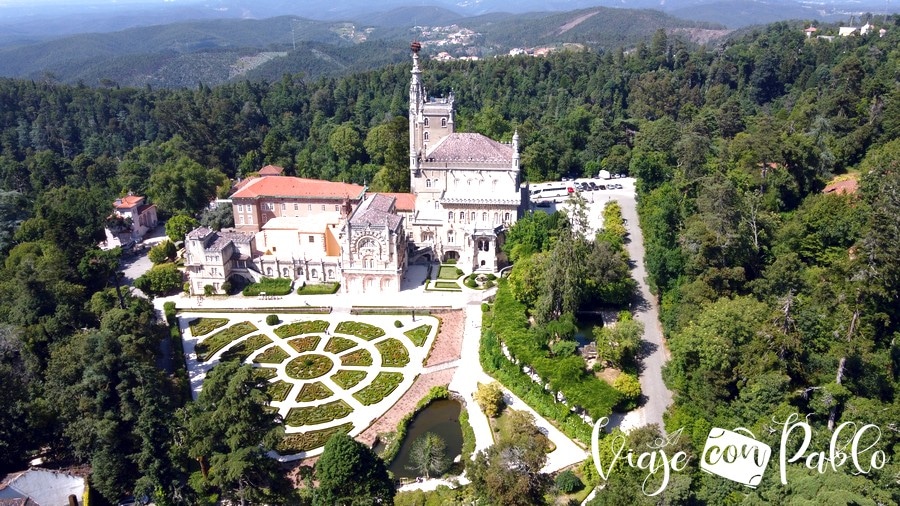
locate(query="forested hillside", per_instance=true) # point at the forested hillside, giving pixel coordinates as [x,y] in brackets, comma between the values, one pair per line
[775,297]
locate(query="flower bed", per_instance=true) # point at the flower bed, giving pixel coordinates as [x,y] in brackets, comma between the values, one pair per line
[339,345]
[393,353]
[274,355]
[305,441]
[419,334]
[358,357]
[319,289]
[308,367]
[359,329]
[278,390]
[348,379]
[314,391]
[381,387]
[305,343]
[297,328]
[243,349]
[203,326]
[209,346]
[315,415]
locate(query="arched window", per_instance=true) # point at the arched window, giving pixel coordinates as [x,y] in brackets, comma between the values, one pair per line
[427,183]
[450,237]
[285,272]
[330,273]
[484,217]
[299,271]
[506,217]
[496,218]
[313,273]
[450,216]
[269,271]
[426,124]
[443,122]
[426,136]
[472,216]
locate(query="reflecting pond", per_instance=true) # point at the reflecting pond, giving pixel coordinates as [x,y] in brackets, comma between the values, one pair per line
[440,417]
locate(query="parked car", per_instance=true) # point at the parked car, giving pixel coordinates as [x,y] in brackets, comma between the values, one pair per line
[617,186]
[602,187]
[592,185]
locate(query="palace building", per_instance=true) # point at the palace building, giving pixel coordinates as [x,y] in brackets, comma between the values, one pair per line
[465,194]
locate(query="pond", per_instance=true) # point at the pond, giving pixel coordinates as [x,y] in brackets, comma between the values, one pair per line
[585,327]
[440,417]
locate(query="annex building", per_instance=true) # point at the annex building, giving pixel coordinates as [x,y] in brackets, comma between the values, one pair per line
[465,193]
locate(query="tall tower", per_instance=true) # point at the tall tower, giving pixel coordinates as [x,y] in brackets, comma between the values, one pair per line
[430,119]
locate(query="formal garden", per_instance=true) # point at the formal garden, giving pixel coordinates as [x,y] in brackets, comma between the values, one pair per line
[324,374]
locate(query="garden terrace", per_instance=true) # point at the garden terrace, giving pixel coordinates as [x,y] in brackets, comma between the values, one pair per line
[307,367]
[357,358]
[202,326]
[273,355]
[245,348]
[278,390]
[347,379]
[338,345]
[305,343]
[314,391]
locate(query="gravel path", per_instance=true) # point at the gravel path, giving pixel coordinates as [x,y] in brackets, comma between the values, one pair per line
[448,344]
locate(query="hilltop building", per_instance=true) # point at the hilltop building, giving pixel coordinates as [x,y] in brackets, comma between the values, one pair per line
[465,193]
[131,220]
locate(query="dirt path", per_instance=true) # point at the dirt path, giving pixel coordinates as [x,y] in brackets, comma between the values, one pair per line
[575,22]
[448,344]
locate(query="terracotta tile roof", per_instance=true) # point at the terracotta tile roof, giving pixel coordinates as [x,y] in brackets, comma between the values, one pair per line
[127,202]
[845,186]
[403,202]
[286,186]
[271,170]
[470,147]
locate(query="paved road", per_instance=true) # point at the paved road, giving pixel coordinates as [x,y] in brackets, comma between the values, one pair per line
[658,397]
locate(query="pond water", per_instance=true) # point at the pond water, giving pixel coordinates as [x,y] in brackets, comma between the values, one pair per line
[586,324]
[440,417]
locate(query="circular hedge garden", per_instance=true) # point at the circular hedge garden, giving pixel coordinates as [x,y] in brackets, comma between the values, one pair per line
[309,366]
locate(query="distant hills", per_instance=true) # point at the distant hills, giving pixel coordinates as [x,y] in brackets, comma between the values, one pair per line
[218,50]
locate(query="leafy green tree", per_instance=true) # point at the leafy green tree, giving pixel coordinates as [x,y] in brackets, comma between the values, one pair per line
[228,432]
[490,398]
[220,217]
[162,252]
[350,473]
[620,343]
[182,185]
[428,455]
[159,280]
[178,226]
[527,278]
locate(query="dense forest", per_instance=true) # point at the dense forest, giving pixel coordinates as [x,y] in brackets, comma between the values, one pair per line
[775,297]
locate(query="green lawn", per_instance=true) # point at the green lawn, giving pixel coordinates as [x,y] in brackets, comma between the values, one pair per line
[446,285]
[319,289]
[269,286]
[419,334]
[450,272]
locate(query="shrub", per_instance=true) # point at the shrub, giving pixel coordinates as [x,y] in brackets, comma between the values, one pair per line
[160,280]
[272,319]
[186,287]
[162,252]
[209,290]
[488,284]
[490,398]
[630,388]
[278,390]
[470,282]
[485,307]
[419,334]
[451,261]
[398,323]
[567,482]
[227,287]
[459,272]
[491,277]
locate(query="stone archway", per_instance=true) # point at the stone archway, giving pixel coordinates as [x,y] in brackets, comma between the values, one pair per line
[451,255]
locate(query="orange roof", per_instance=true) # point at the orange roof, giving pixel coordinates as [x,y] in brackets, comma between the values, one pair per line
[271,170]
[287,187]
[404,202]
[128,202]
[845,186]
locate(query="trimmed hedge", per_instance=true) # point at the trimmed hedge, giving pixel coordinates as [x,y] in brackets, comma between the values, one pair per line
[278,390]
[305,343]
[393,353]
[449,272]
[269,286]
[359,329]
[245,348]
[419,334]
[264,373]
[297,328]
[381,387]
[319,289]
[315,391]
[202,326]
[447,285]
[209,346]
[315,415]
[273,355]
[347,378]
[358,357]
[306,441]
[338,344]
[307,367]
